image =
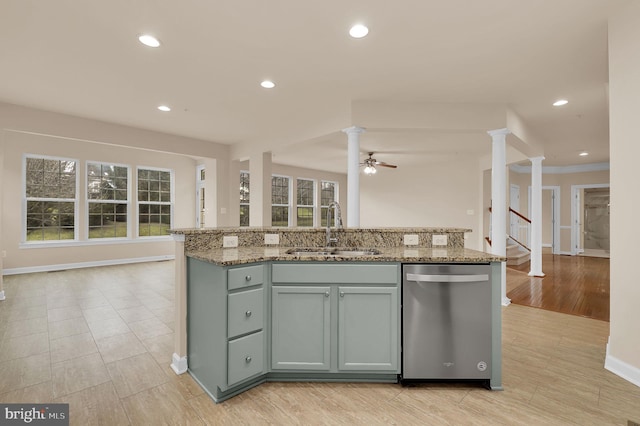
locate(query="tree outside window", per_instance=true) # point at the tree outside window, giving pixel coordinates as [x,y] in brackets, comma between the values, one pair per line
[328,193]
[108,195]
[280,195]
[306,201]
[154,202]
[50,192]
[244,198]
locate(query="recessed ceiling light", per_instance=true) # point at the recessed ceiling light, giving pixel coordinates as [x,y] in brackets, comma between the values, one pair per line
[560,102]
[149,40]
[164,108]
[358,31]
[268,84]
[584,154]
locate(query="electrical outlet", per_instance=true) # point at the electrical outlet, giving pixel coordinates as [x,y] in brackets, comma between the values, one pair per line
[439,240]
[470,212]
[230,241]
[411,240]
[271,239]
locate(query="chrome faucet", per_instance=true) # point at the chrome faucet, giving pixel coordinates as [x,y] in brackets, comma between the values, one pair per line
[333,204]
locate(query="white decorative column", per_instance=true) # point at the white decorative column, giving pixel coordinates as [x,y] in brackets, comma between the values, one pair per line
[260,189]
[179,362]
[353,175]
[536,217]
[499,202]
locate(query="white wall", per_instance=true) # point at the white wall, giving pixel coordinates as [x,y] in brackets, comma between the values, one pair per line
[624,76]
[438,194]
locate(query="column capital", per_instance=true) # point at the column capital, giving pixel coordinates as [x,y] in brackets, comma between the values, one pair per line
[354,129]
[499,132]
[536,159]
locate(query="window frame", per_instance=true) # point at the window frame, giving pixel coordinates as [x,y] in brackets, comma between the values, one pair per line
[171,203]
[25,201]
[88,201]
[314,186]
[288,205]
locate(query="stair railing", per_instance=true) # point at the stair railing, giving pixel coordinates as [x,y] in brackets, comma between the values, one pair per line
[519,229]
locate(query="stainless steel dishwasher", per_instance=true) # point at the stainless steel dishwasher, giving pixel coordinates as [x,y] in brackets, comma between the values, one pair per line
[446,322]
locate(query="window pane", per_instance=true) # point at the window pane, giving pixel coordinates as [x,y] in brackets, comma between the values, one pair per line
[50,220]
[107,220]
[279,190]
[244,215]
[305,192]
[244,187]
[327,193]
[305,216]
[50,178]
[279,216]
[107,182]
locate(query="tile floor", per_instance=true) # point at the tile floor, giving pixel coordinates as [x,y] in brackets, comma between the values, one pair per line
[101,339]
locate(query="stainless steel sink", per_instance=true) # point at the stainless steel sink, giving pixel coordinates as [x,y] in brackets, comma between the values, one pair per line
[332,252]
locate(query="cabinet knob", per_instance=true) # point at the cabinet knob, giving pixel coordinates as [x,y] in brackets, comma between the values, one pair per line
[248,313]
[247,359]
[326,294]
[247,278]
[342,294]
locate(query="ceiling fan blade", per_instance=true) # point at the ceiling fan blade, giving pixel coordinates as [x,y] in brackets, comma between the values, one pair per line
[391,166]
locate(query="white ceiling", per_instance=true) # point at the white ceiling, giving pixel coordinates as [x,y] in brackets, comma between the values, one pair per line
[82,57]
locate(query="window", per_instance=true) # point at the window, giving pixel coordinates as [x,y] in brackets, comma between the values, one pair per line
[280,190]
[154,202]
[107,195]
[328,193]
[50,192]
[244,198]
[306,199]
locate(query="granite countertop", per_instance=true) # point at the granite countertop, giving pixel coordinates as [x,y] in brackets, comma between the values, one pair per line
[241,255]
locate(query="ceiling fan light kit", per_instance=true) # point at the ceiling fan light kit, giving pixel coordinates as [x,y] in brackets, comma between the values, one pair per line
[371,163]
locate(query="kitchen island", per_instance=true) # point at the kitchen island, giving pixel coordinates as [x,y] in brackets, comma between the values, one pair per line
[299,311]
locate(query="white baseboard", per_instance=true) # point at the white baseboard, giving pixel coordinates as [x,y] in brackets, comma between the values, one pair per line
[620,368]
[62,267]
[179,364]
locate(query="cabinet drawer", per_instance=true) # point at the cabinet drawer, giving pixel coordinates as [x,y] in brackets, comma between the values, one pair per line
[246,357]
[246,312]
[245,276]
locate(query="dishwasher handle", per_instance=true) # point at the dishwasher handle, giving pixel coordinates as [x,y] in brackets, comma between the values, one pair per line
[447,278]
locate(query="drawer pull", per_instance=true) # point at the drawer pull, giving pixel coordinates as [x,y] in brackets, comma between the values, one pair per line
[248,314]
[247,278]
[247,359]
[342,294]
[326,294]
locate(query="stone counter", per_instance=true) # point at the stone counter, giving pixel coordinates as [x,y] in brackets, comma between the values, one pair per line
[241,255]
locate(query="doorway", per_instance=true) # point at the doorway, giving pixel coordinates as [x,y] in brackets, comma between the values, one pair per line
[591,220]
[200,196]
[550,217]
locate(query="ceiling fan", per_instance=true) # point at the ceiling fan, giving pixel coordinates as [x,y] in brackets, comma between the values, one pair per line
[371,163]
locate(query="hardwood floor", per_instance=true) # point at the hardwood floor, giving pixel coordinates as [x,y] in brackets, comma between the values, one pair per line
[576,285]
[101,339]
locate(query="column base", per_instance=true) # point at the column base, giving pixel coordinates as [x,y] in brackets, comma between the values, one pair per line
[539,274]
[179,364]
[506,301]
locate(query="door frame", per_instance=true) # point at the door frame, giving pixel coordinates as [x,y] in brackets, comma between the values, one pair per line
[200,184]
[576,214]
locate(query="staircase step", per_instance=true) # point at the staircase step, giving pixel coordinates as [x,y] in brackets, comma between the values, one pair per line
[519,259]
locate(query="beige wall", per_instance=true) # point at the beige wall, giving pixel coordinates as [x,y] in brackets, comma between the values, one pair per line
[624,75]
[432,195]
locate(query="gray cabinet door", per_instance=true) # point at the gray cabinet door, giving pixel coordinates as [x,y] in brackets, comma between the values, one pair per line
[368,328]
[301,328]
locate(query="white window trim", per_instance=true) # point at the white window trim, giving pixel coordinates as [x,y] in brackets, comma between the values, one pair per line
[138,202]
[289,205]
[76,207]
[88,201]
[313,206]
